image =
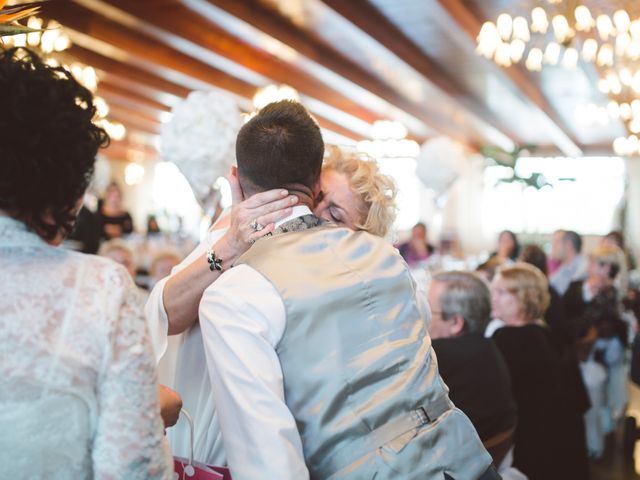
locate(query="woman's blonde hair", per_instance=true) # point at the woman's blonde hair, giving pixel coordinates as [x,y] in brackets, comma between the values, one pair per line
[377,191]
[530,287]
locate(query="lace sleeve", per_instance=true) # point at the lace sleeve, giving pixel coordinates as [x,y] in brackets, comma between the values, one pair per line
[129,440]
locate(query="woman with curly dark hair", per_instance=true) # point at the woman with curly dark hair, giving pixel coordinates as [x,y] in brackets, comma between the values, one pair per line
[78,391]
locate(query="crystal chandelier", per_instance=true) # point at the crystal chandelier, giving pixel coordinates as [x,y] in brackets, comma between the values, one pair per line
[51,42]
[558,32]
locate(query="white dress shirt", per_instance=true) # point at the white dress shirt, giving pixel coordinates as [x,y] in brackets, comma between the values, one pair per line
[243,318]
[182,367]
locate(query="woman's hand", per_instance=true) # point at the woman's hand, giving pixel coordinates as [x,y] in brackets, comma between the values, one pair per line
[264,208]
[170,405]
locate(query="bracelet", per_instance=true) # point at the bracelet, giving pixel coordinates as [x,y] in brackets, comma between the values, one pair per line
[215,263]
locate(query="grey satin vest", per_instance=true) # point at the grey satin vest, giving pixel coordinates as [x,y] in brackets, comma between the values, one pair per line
[358,364]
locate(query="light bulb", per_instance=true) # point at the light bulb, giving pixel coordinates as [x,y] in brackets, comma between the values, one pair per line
[625,111]
[561,28]
[625,76]
[503,55]
[584,20]
[605,27]
[589,50]
[539,22]
[605,56]
[634,29]
[623,40]
[505,26]
[552,53]
[517,50]
[570,58]
[534,60]
[521,29]
[621,20]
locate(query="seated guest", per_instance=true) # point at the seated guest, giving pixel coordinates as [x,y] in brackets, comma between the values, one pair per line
[119,252]
[114,219]
[86,231]
[555,316]
[566,247]
[162,263]
[470,365]
[549,440]
[78,389]
[353,193]
[508,247]
[598,286]
[417,249]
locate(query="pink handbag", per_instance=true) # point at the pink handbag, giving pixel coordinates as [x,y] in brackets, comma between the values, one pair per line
[188,469]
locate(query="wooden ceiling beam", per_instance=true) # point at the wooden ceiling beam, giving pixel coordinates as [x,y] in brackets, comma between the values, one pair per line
[369,19]
[133,70]
[132,122]
[266,20]
[120,150]
[144,51]
[470,25]
[106,87]
[171,18]
[128,71]
[127,107]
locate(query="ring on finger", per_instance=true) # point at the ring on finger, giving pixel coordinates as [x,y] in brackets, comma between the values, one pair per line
[256,226]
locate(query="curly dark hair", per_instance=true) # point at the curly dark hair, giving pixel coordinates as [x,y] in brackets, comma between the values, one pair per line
[48,142]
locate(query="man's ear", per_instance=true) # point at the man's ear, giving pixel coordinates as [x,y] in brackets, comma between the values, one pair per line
[316,188]
[456,325]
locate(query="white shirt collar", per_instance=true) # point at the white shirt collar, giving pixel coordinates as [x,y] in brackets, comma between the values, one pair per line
[298,211]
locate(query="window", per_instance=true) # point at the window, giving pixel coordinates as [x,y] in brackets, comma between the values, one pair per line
[584,196]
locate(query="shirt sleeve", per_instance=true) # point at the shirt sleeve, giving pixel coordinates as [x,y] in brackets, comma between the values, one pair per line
[242,318]
[154,310]
[129,440]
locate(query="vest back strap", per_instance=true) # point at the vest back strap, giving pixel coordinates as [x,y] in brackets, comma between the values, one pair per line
[393,429]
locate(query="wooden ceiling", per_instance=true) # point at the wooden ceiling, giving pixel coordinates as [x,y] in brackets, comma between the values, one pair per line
[352,61]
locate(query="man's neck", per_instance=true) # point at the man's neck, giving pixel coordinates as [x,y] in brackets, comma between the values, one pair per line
[304,194]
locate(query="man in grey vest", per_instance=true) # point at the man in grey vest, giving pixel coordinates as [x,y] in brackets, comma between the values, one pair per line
[316,342]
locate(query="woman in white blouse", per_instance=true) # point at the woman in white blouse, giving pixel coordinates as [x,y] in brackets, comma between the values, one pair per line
[78,389]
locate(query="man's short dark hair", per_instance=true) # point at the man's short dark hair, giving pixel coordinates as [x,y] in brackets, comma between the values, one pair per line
[280,146]
[573,238]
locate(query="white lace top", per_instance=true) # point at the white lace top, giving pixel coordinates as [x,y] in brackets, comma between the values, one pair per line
[78,390]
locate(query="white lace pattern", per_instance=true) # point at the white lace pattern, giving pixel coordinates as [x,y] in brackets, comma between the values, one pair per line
[78,389]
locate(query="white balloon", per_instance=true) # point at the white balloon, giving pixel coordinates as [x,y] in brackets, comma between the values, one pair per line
[439,164]
[200,139]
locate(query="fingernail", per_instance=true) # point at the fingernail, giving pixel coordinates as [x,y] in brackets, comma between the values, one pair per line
[293,199]
[284,193]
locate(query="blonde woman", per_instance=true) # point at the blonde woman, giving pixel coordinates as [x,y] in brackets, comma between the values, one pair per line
[549,439]
[355,193]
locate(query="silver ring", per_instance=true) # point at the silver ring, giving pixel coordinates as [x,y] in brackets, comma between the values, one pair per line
[256,226]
